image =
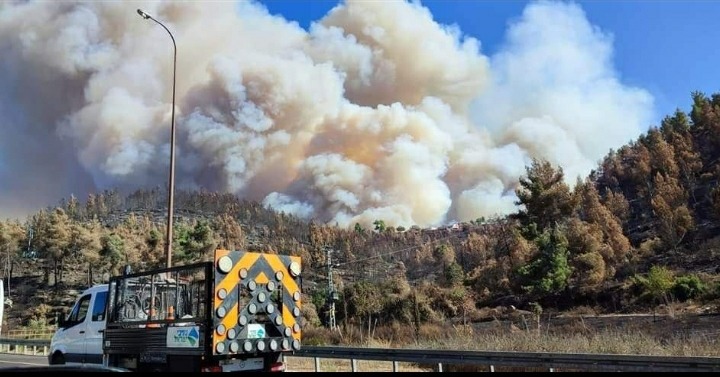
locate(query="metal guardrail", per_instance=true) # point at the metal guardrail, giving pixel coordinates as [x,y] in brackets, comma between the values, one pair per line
[489,359]
[29,334]
[25,346]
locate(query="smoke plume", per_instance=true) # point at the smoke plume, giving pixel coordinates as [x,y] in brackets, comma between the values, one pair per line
[375,112]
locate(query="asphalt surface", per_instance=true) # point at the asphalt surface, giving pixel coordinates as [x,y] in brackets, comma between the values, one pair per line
[8,360]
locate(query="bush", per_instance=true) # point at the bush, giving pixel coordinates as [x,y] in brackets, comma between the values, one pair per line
[658,282]
[687,287]
[320,336]
[38,319]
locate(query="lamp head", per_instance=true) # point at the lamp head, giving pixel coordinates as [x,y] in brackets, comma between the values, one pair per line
[143,14]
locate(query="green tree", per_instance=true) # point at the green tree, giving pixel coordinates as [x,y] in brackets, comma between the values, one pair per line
[11,236]
[182,233]
[453,274]
[657,283]
[363,300]
[545,199]
[113,250]
[444,254]
[379,225]
[199,242]
[548,272]
[87,239]
[359,229]
[155,241]
[54,241]
[73,209]
[132,231]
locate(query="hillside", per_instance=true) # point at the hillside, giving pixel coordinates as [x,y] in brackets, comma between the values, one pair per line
[640,231]
[383,254]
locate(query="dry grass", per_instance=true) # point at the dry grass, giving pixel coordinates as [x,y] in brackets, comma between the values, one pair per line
[645,338]
[606,342]
[640,335]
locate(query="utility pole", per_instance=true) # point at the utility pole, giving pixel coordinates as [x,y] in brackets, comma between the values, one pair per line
[7,273]
[332,295]
[9,269]
[417,314]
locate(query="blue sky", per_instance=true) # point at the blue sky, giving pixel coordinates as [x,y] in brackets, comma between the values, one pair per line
[665,47]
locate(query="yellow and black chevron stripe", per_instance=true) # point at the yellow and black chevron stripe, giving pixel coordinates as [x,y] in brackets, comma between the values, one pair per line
[256,290]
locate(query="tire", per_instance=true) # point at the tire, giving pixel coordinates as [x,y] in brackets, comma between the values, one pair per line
[57,359]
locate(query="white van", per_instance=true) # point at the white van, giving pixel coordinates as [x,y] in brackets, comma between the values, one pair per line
[78,339]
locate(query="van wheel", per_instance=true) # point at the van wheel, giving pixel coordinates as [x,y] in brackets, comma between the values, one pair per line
[58,359]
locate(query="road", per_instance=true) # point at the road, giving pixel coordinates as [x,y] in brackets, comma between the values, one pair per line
[8,360]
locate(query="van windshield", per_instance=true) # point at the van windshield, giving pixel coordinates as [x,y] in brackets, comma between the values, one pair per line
[80,310]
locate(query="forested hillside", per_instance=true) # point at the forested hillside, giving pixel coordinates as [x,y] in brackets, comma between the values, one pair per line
[641,230]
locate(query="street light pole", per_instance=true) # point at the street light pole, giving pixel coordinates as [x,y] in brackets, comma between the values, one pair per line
[171,184]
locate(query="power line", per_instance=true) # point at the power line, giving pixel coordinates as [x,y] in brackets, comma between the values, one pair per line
[398,251]
[331,290]
[359,274]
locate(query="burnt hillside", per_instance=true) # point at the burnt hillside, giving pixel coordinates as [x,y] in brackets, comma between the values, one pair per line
[641,230]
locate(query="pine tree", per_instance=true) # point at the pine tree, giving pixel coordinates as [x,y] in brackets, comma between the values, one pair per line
[586,248]
[54,241]
[669,204]
[549,272]
[11,237]
[545,198]
[676,130]
[662,155]
[230,235]
[594,212]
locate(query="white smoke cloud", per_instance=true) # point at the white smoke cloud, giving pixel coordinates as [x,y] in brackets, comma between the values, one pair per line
[375,112]
[555,93]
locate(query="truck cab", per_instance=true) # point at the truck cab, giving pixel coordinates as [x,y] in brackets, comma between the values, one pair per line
[78,339]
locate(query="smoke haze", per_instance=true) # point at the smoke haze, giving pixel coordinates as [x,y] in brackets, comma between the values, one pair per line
[375,112]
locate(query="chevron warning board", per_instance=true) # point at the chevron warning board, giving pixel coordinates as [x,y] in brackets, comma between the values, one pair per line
[256,304]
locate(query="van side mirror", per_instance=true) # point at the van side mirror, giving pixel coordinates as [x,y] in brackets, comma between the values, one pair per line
[61,321]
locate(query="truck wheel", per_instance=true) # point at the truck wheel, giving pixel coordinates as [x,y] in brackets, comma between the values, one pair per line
[58,359]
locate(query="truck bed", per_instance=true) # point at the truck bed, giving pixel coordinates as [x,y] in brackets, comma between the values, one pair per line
[242,306]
